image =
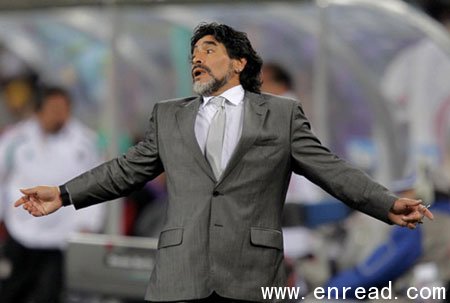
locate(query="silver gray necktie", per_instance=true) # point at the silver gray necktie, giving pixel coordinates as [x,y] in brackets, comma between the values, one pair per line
[214,140]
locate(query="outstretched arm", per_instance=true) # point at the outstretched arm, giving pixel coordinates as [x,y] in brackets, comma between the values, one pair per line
[348,184]
[120,176]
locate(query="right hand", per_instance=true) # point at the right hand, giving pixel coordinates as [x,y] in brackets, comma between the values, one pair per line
[40,200]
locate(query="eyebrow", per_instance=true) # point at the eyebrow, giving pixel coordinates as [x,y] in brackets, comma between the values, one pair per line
[208,42]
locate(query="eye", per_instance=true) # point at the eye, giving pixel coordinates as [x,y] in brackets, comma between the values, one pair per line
[209,51]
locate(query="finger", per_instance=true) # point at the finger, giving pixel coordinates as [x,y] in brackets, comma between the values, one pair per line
[34,210]
[33,200]
[37,213]
[413,217]
[398,221]
[41,209]
[37,206]
[28,207]
[411,225]
[29,191]
[21,201]
[411,203]
[427,213]
[404,205]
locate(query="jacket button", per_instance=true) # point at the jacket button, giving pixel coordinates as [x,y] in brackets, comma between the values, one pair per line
[215,193]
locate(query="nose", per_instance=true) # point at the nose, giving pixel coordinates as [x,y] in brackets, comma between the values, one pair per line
[196,58]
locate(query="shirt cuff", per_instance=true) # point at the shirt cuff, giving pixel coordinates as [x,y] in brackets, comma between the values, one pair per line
[65,196]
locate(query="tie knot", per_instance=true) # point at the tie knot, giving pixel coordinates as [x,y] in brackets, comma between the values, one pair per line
[218,101]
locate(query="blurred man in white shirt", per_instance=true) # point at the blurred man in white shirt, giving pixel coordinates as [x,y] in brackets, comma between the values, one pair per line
[50,147]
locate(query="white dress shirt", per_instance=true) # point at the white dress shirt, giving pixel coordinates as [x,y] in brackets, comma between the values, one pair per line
[28,157]
[234,109]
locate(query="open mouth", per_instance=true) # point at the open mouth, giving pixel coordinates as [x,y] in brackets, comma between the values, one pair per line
[198,71]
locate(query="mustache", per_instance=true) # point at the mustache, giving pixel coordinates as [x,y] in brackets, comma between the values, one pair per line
[205,68]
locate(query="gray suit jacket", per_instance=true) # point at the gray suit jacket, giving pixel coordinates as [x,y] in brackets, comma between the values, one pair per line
[225,235]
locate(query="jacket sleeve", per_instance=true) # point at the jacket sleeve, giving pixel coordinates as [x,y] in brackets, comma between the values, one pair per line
[122,175]
[346,183]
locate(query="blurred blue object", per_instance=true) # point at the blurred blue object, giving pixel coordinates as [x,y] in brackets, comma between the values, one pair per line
[325,212]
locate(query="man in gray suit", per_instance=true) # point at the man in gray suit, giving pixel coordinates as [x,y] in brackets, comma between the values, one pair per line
[228,154]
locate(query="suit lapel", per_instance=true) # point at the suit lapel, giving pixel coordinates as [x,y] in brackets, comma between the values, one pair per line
[185,117]
[254,115]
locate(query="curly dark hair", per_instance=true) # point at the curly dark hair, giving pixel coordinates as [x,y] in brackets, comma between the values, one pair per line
[238,46]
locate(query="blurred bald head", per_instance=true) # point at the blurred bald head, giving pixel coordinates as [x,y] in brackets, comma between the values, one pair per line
[275,79]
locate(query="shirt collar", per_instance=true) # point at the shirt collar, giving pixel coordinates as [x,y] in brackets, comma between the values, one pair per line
[234,95]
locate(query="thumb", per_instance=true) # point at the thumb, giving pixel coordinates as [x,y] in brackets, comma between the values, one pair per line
[415,202]
[405,203]
[29,191]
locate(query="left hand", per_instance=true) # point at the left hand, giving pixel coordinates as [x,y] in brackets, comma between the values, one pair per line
[408,212]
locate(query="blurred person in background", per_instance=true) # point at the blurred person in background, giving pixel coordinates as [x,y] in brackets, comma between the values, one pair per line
[49,147]
[18,85]
[278,81]
[415,86]
[228,154]
[418,258]
[298,241]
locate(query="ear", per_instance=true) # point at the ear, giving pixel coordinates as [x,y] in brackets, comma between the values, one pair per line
[239,65]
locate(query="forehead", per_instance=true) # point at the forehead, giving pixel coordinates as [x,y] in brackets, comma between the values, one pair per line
[55,100]
[207,40]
